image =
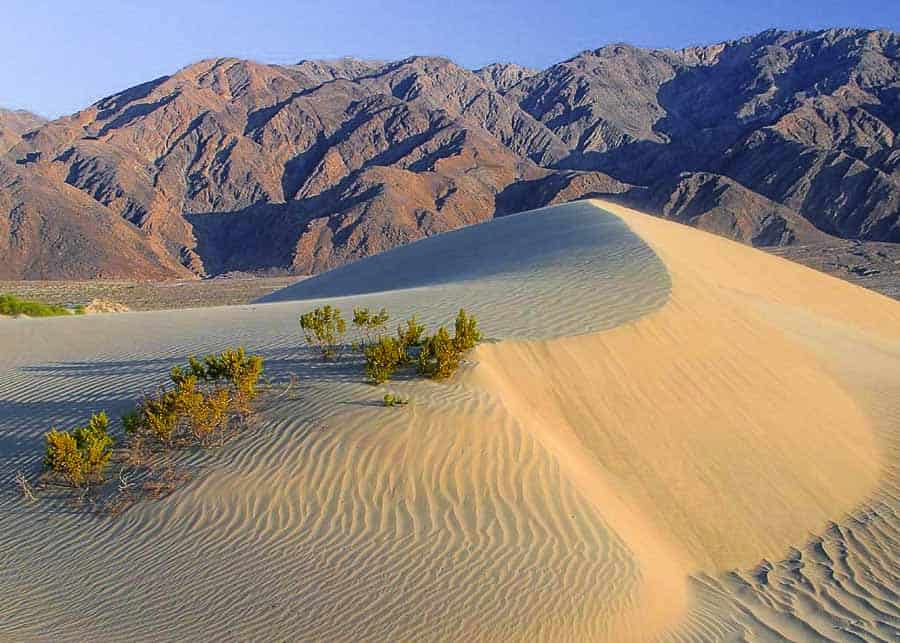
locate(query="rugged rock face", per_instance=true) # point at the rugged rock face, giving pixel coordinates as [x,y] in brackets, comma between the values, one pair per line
[501,77]
[14,123]
[49,230]
[807,119]
[234,165]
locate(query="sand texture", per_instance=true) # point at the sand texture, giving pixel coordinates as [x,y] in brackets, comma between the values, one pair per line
[669,436]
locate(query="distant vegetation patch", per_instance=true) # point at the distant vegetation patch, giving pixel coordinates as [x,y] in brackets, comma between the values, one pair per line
[12,305]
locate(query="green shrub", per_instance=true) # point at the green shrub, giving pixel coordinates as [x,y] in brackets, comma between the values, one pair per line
[369,323]
[133,421]
[83,452]
[240,370]
[62,456]
[411,335]
[392,399]
[203,396]
[12,305]
[382,359]
[439,357]
[159,416]
[467,333]
[185,407]
[94,443]
[205,413]
[324,328]
[234,366]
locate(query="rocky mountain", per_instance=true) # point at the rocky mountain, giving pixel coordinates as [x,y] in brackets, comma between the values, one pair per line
[54,231]
[806,119]
[14,123]
[779,138]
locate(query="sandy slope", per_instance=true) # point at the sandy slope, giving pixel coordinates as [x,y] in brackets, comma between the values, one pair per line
[667,409]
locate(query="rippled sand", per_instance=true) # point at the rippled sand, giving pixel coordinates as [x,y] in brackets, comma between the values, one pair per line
[675,437]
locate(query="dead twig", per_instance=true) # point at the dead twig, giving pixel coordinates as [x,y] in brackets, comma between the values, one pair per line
[288,387]
[125,481]
[24,487]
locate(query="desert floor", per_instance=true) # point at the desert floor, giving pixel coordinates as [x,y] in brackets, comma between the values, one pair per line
[150,295]
[668,436]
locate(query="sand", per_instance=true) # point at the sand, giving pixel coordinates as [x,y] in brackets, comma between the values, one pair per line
[670,436]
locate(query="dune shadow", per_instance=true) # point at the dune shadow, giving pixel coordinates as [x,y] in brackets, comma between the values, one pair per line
[98,368]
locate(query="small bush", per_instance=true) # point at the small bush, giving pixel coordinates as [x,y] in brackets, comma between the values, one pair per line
[234,366]
[12,305]
[439,357]
[157,416]
[369,323]
[133,421]
[81,453]
[324,328]
[411,335]
[185,407]
[382,359]
[202,400]
[467,333]
[207,413]
[94,444]
[392,399]
[62,456]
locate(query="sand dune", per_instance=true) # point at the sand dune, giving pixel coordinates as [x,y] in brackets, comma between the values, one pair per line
[676,437]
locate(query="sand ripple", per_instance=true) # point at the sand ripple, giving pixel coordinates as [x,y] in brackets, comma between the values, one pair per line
[725,407]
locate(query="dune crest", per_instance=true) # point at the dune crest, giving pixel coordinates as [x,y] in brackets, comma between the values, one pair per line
[671,430]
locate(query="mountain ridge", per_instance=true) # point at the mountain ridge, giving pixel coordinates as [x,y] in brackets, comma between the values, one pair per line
[772,139]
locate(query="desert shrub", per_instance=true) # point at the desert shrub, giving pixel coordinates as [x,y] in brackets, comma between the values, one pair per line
[190,405]
[439,357]
[411,334]
[369,323]
[467,333]
[156,415]
[382,359]
[203,397]
[62,456]
[12,305]
[324,328]
[207,413]
[80,453]
[242,371]
[185,407]
[94,443]
[234,366]
[133,421]
[392,399]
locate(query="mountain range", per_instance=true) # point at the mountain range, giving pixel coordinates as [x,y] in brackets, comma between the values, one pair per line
[780,138]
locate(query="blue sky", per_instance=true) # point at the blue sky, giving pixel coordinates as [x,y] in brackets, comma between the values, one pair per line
[60,56]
